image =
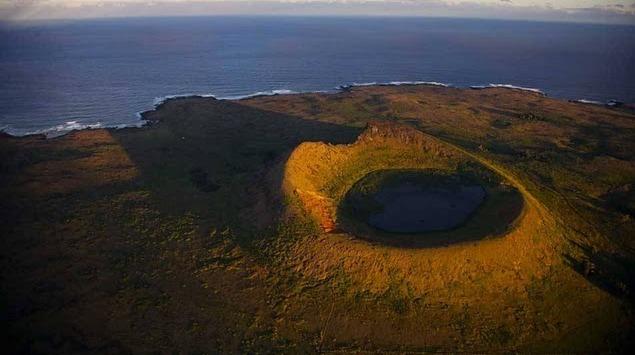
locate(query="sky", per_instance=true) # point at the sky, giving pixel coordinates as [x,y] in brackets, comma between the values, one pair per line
[596,11]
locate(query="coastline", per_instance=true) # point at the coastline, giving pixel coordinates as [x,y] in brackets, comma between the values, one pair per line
[73,125]
[213,209]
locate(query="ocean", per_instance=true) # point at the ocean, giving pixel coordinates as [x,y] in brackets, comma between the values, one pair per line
[61,75]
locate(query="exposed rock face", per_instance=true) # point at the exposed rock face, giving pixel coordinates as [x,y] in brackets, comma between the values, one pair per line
[402,134]
[381,130]
[322,208]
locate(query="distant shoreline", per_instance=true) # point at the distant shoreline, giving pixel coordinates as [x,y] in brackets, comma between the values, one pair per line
[70,126]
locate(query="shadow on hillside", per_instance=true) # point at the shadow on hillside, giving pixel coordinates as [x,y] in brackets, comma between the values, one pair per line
[120,217]
[613,273]
[222,160]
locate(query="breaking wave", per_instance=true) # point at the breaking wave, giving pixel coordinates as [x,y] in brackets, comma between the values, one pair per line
[508,86]
[54,131]
[68,126]
[588,102]
[160,100]
[392,83]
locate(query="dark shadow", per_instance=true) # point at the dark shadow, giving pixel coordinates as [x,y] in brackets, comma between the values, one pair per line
[88,223]
[620,199]
[611,272]
[222,160]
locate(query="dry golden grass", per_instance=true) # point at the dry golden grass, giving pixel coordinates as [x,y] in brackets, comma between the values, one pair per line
[102,161]
[320,174]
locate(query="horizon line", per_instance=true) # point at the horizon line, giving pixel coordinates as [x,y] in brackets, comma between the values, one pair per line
[343,16]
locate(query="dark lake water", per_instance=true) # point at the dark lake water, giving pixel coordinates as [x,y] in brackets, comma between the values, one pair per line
[56,76]
[415,208]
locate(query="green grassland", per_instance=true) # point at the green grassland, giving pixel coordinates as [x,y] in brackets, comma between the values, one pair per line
[180,236]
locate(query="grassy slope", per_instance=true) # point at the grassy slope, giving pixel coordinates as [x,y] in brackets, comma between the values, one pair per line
[165,237]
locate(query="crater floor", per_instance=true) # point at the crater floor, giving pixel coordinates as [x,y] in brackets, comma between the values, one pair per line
[415,202]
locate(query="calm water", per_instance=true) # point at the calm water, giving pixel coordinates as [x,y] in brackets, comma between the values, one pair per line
[61,75]
[413,208]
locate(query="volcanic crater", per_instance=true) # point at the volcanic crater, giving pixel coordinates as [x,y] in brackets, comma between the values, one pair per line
[398,186]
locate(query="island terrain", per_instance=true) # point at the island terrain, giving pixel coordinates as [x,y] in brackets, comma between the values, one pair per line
[264,225]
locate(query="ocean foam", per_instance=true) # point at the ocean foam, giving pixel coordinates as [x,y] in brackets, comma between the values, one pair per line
[365,84]
[55,131]
[137,124]
[588,102]
[508,86]
[256,94]
[392,83]
[68,126]
[431,83]
[160,100]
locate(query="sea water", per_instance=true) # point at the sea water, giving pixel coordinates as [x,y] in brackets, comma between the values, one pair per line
[61,75]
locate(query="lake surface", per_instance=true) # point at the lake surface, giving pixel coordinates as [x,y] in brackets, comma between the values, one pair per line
[413,208]
[56,76]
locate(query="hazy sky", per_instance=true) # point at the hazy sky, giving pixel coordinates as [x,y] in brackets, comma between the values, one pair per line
[616,11]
